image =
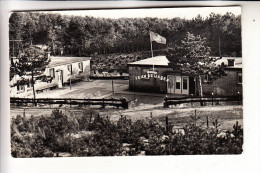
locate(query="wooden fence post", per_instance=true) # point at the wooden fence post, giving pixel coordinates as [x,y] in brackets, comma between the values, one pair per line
[48,101]
[151,118]
[103,106]
[195,117]
[124,103]
[212,99]
[113,87]
[207,121]
[166,102]
[167,124]
[90,117]
[191,100]
[238,98]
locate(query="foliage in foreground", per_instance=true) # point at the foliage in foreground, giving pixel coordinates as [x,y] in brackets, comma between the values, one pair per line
[64,134]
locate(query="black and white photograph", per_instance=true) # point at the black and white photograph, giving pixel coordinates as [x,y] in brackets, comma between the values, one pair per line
[126,82]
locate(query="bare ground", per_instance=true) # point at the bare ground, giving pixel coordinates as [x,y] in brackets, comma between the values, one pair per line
[226,115]
[142,105]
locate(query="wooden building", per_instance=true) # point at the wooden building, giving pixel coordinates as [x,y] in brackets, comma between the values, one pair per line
[229,85]
[154,75]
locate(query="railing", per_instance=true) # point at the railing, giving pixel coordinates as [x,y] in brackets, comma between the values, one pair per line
[213,99]
[61,101]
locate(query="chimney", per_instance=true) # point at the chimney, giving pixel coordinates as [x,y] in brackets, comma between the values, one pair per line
[231,62]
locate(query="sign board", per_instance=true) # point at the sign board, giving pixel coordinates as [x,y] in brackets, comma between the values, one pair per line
[155,76]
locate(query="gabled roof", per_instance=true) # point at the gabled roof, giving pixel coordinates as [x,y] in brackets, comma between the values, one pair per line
[157,60]
[59,60]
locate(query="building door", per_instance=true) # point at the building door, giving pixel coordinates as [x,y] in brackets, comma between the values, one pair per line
[185,85]
[60,78]
[170,85]
[178,84]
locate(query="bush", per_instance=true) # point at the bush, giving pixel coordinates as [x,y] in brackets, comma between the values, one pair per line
[93,135]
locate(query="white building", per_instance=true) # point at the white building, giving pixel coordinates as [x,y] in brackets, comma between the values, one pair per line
[60,71]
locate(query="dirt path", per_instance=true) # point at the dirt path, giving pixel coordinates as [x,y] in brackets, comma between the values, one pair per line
[226,115]
[86,89]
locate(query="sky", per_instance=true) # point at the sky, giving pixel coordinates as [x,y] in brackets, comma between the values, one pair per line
[187,13]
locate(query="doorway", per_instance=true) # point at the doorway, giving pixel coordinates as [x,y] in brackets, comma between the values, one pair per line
[178,84]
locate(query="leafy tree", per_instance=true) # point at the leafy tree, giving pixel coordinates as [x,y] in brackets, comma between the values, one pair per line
[32,61]
[192,58]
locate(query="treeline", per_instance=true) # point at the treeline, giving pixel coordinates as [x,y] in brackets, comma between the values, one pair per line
[85,36]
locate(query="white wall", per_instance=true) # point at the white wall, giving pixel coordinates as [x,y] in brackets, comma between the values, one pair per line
[66,76]
[66,72]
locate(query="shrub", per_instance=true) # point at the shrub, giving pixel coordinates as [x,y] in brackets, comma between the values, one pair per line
[93,135]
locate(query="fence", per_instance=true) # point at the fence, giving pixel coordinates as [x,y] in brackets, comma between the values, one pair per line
[175,101]
[61,101]
[109,77]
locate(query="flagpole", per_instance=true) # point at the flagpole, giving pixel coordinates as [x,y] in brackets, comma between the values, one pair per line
[152,51]
[159,39]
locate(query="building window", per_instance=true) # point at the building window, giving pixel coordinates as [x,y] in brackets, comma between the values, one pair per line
[178,82]
[185,84]
[239,76]
[20,88]
[206,78]
[178,85]
[69,68]
[80,66]
[52,73]
[29,84]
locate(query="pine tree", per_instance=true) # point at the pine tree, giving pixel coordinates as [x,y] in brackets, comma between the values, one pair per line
[192,58]
[32,61]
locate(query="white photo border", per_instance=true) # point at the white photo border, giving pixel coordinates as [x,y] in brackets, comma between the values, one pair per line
[248,161]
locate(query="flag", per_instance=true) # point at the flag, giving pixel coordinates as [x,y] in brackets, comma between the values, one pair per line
[156,37]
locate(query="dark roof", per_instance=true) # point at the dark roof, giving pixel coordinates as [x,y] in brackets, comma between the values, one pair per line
[59,60]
